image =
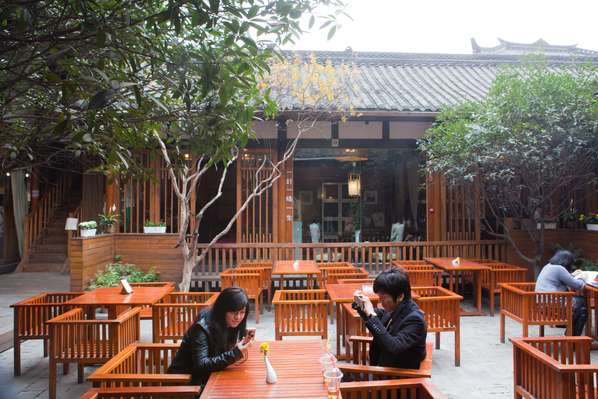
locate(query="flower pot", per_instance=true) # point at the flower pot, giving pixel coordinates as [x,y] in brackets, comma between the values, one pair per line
[154,229]
[592,226]
[110,229]
[547,225]
[88,232]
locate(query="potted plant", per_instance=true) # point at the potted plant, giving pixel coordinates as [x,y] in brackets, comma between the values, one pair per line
[591,221]
[108,221]
[150,227]
[569,218]
[88,229]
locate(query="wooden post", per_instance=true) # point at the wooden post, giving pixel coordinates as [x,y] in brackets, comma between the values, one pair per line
[111,196]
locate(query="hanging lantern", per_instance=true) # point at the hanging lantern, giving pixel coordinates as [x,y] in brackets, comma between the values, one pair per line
[354,184]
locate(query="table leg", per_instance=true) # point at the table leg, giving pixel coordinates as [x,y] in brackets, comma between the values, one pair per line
[478,289]
[339,329]
[451,275]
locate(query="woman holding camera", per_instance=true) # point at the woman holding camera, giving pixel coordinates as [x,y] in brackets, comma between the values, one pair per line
[399,329]
[217,339]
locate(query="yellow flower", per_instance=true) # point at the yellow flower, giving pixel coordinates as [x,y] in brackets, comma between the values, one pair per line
[264,347]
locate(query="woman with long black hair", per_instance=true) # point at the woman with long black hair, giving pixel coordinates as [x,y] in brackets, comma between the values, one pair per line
[217,339]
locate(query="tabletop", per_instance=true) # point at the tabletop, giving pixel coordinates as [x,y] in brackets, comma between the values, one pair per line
[295,267]
[344,292]
[113,296]
[447,264]
[297,366]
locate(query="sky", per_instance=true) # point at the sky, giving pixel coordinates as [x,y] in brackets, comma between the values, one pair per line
[436,26]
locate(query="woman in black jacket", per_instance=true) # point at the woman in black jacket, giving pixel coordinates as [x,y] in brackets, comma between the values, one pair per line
[217,339]
[399,329]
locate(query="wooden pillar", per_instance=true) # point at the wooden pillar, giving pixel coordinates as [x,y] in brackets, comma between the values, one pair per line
[154,190]
[112,197]
[435,207]
[283,200]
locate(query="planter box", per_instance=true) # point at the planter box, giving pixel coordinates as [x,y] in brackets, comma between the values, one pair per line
[547,226]
[592,226]
[154,230]
[88,232]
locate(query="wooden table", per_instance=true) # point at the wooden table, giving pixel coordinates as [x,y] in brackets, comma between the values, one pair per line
[297,366]
[112,297]
[309,268]
[446,264]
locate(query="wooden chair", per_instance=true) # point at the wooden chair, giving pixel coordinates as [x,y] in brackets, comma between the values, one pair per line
[266,267]
[177,312]
[332,267]
[423,275]
[520,302]
[351,326]
[139,364]
[360,370]
[30,317]
[182,392]
[417,388]
[334,276]
[146,311]
[355,280]
[403,264]
[500,273]
[250,282]
[554,368]
[300,313]
[442,313]
[76,340]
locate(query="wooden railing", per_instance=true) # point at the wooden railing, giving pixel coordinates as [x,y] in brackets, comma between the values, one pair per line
[374,257]
[38,219]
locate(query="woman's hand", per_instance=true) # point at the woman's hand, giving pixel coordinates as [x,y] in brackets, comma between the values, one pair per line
[367,307]
[242,346]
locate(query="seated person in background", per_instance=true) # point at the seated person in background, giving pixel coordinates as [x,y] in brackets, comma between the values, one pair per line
[399,330]
[217,339]
[556,277]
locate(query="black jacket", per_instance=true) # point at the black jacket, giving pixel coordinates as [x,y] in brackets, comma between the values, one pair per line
[401,344]
[203,351]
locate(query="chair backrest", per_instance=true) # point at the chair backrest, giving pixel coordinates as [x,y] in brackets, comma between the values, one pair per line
[300,313]
[417,388]
[354,280]
[360,352]
[165,392]
[422,275]
[95,341]
[502,273]
[520,300]
[440,306]
[333,277]
[406,263]
[31,314]
[250,282]
[554,367]
[172,319]
[140,364]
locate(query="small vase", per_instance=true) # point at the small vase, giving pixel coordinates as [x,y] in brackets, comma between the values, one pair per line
[271,377]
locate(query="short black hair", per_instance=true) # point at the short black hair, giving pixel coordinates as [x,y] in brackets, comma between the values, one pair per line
[393,282]
[564,258]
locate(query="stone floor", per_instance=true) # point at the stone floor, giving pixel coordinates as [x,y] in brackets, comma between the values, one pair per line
[485,372]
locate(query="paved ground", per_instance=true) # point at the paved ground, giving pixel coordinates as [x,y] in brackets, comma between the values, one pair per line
[485,372]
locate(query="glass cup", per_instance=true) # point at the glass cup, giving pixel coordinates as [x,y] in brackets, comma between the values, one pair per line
[328,362]
[333,382]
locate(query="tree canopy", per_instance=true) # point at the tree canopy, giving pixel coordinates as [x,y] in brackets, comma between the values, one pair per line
[532,139]
[92,79]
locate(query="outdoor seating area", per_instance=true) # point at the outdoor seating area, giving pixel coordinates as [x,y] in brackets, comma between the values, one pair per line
[127,363]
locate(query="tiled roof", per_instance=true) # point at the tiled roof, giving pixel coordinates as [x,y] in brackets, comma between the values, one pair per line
[417,82]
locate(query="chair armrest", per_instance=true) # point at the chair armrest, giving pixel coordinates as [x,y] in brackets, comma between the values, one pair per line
[359,338]
[383,371]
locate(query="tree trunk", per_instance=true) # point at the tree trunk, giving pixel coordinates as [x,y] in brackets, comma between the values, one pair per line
[188,265]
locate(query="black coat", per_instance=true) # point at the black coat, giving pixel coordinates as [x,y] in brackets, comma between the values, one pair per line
[202,351]
[401,344]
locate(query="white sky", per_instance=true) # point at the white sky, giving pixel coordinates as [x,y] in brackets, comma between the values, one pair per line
[446,26]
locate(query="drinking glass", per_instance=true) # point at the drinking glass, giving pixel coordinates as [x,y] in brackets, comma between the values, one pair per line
[333,382]
[328,362]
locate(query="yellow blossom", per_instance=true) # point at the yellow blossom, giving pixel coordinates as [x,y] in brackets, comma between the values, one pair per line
[264,347]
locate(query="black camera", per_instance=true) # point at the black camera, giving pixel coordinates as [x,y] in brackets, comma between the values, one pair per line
[355,305]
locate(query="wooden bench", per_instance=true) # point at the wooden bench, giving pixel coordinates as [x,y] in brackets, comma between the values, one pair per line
[140,364]
[300,313]
[251,281]
[30,317]
[500,273]
[76,340]
[416,388]
[360,370]
[185,392]
[520,302]
[442,313]
[554,368]
[177,312]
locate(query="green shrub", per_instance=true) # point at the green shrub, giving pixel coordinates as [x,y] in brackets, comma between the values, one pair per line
[116,271]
